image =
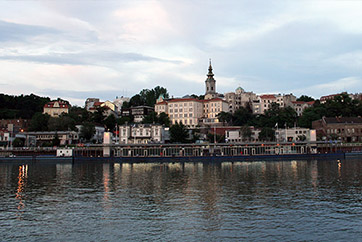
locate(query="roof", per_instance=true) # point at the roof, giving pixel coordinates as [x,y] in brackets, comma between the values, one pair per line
[342,120]
[212,100]
[302,102]
[266,96]
[53,104]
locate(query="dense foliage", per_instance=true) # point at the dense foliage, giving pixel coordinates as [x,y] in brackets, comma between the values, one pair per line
[146,97]
[21,106]
[178,133]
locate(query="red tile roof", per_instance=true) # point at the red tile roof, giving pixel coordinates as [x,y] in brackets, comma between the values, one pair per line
[61,104]
[268,96]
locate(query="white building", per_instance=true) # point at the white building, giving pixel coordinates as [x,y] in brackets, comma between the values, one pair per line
[141,134]
[263,102]
[236,135]
[294,134]
[118,102]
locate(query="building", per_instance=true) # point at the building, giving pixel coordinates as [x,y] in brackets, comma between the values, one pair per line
[295,134]
[212,108]
[265,101]
[118,102]
[235,135]
[345,129]
[15,125]
[300,106]
[108,104]
[191,111]
[98,134]
[46,137]
[239,99]
[89,103]
[56,108]
[141,134]
[140,112]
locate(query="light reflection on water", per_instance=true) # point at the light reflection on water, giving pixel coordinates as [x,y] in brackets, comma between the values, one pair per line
[284,200]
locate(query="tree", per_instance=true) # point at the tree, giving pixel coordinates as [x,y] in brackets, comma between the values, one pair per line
[110,122]
[178,133]
[242,116]
[18,142]
[39,122]
[56,140]
[246,132]
[163,119]
[61,123]
[267,134]
[305,98]
[225,117]
[87,131]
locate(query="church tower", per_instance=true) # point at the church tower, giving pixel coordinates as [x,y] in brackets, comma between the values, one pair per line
[210,84]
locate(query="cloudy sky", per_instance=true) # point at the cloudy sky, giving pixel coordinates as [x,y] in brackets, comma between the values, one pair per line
[79,49]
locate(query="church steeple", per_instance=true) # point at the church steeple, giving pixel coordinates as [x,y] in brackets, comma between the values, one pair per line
[210,69]
[210,82]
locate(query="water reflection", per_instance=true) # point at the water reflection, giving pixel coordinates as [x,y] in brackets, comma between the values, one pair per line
[284,200]
[22,177]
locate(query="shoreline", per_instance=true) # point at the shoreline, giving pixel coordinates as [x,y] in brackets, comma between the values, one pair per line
[158,159]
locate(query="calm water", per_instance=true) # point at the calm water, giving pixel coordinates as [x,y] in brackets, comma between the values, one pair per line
[246,201]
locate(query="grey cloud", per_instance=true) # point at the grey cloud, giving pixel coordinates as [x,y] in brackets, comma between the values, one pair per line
[15,32]
[86,58]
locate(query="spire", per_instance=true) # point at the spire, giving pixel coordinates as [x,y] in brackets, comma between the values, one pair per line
[210,69]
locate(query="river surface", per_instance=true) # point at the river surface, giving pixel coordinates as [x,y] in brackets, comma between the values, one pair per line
[240,201]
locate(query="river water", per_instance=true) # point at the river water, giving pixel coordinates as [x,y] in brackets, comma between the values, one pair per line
[241,201]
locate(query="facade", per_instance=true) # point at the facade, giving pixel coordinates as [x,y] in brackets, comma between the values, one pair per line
[65,137]
[345,129]
[212,108]
[264,102]
[89,103]
[239,99]
[140,112]
[141,134]
[118,102]
[294,134]
[236,135]
[187,111]
[56,108]
[109,105]
[14,125]
[300,106]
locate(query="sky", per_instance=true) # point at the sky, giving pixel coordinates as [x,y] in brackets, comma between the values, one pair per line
[79,49]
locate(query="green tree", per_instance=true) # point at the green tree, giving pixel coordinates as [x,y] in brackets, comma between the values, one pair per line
[178,133]
[39,122]
[305,98]
[246,132]
[225,117]
[18,142]
[110,122]
[87,131]
[267,134]
[61,123]
[56,140]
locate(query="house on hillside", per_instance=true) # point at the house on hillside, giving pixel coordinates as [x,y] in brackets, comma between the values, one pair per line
[56,108]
